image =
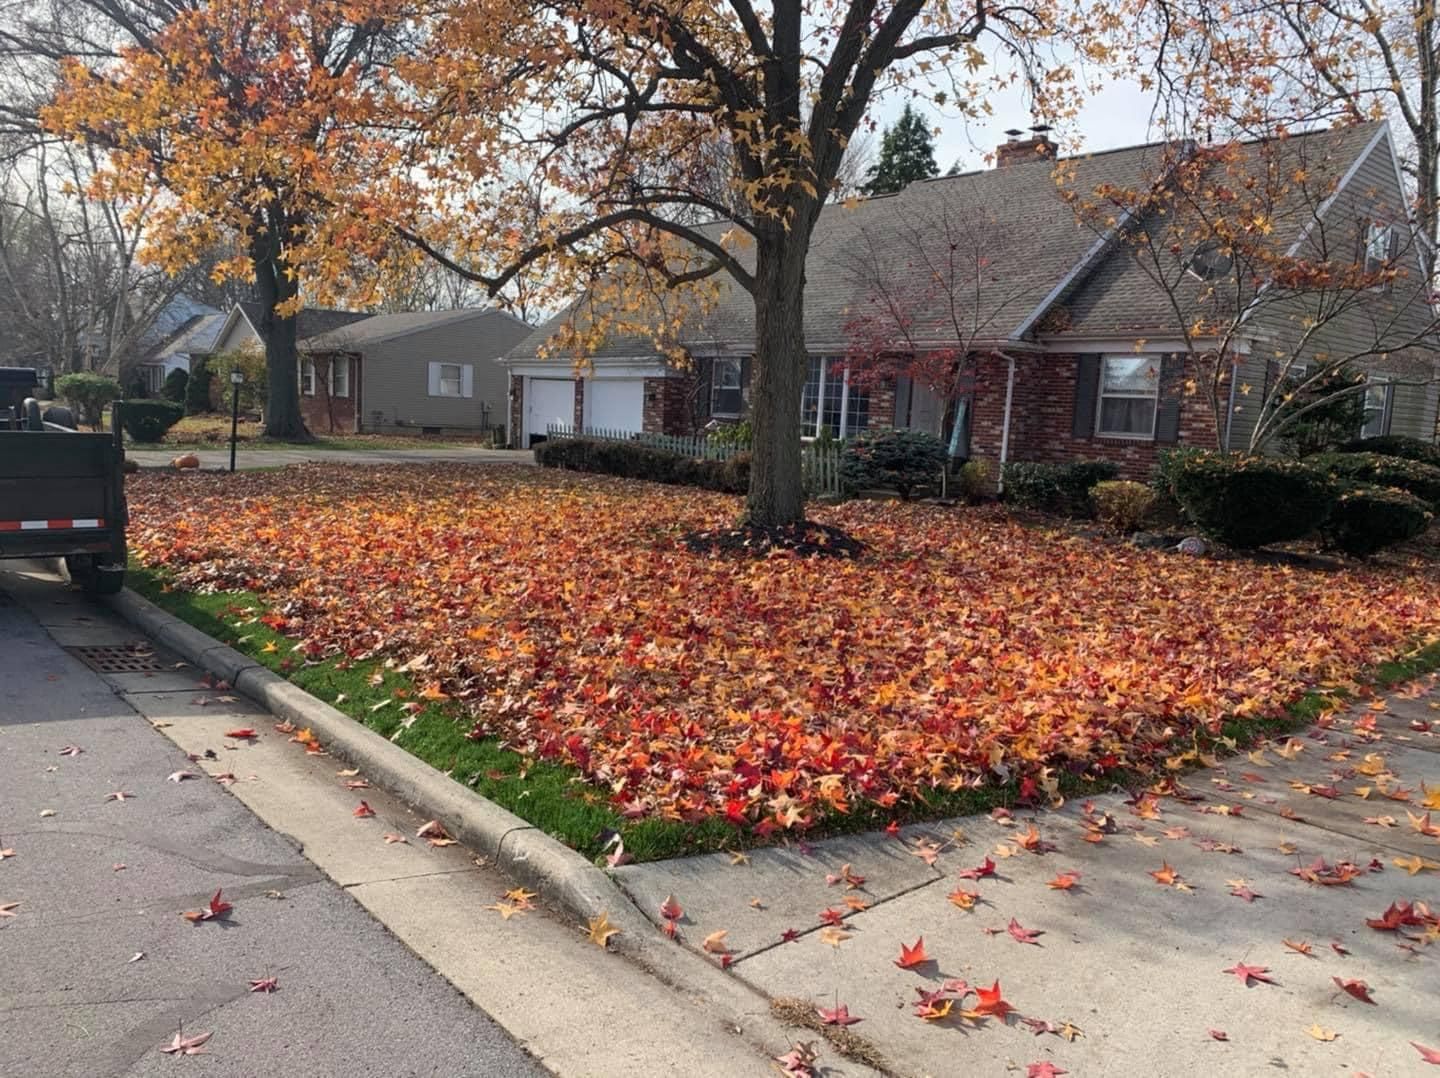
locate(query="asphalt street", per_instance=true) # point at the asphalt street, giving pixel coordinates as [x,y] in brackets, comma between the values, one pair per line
[98,966]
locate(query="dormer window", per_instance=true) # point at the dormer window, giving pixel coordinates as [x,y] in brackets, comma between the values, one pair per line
[1210,261]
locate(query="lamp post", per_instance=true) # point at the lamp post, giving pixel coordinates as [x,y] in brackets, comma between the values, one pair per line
[237,379]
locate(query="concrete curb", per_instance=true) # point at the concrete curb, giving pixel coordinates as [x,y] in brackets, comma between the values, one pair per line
[528,855]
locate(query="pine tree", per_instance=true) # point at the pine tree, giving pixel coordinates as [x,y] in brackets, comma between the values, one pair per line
[907,153]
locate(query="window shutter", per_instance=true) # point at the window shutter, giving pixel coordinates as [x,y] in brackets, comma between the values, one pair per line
[1167,419]
[434,379]
[747,364]
[1087,391]
[467,380]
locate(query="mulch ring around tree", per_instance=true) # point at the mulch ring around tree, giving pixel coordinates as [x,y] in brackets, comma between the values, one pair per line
[806,539]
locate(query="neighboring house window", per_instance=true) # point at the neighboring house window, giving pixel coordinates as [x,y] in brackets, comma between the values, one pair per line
[1378,241]
[451,380]
[725,388]
[340,376]
[1378,396]
[1129,395]
[153,378]
[307,377]
[830,402]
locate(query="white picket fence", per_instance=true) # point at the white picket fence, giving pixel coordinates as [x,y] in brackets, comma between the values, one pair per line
[819,464]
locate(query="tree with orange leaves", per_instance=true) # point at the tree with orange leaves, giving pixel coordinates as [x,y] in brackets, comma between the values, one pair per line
[245,119]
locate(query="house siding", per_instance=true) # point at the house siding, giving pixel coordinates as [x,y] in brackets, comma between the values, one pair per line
[397,375]
[1043,411]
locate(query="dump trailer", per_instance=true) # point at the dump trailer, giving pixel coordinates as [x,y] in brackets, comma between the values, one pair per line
[62,491]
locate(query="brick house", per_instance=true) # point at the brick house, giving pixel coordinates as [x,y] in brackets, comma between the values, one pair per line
[1064,341]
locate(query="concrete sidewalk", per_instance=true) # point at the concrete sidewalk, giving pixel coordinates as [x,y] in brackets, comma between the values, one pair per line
[276,458]
[1135,967]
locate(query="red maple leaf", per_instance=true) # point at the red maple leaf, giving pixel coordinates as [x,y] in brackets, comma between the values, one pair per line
[839,1016]
[1246,974]
[243,733]
[831,917]
[363,811]
[1043,1069]
[1429,1055]
[1218,1034]
[265,984]
[1023,935]
[670,909]
[991,1002]
[1359,989]
[789,936]
[214,910]
[986,868]
[910,957]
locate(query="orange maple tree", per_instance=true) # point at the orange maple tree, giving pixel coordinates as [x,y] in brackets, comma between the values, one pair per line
[240,125]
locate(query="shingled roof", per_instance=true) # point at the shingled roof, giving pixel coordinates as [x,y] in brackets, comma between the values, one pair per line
[1036,254]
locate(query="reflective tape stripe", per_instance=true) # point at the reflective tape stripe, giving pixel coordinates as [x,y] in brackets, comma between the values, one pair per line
[50,525]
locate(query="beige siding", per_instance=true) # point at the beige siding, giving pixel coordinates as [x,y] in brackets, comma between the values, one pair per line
[395,374]
[1249,397]
[239,336]
[1373,322]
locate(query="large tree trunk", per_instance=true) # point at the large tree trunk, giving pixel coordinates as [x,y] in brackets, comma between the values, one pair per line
[777,495]
[273,286]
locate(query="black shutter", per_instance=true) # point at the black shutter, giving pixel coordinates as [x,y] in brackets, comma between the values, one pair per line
[1167,421]
[1087,393]
[746,364]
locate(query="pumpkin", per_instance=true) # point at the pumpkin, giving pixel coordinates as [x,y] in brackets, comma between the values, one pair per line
[186,460]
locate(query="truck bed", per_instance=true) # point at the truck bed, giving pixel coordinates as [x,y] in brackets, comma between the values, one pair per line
[60,494]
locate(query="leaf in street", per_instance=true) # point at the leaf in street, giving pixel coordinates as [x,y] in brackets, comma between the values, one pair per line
[1246,974]
[242,733]
[963,899]
[391,838]
[136,957]
[831,917]
[363,811]
[1300,947]
[839,1015]
[71,750]
[1218,1034]
[979,872]
[6,852]
[1429,1055]
[1066,881]
[1415,863]
[671,910]
[1166,875]
[7,909]
[1043,1069]
[506,910]
[715,942]
[1320,1033]
[181,776]
[434,833]
[216,909]
[992,1002]
[1241,889]
[187,1046]
[601,930]
[265,984]
[118,795]
[790,935]
[834,936]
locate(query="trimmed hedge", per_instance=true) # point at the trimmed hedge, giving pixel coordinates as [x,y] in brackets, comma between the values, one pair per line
[197,389]
[1421,480]
[630,460]
[1057,488]
[176,383]
[899,460]
[1396,445]
[148,420]
[1122,503]
[1365,519]
[1249,501]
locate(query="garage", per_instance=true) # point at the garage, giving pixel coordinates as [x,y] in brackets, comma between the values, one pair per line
[547,401]
[616,404]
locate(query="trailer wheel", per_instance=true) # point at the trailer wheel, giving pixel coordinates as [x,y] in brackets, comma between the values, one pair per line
[94,574]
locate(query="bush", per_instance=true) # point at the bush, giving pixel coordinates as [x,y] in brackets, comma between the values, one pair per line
[738,434]
[1056,488]
[1249,501]
[176,383]
[1421,480]
[89,393]
[1319,416]
[197,389]
[1167,464]
[899,460]
[1122,504]
[630,460]
[147,421]
[976,480]
[1365,519]
[1395,445]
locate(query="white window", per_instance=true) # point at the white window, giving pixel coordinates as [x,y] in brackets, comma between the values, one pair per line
[451,380]
[725,388]
[1377,409]
[1378,239]
[307,376]
[1129,395]
[830,402]
[340,376]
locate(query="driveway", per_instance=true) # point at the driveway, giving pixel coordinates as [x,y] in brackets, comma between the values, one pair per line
[1119,929]
[100,967]
[275,458]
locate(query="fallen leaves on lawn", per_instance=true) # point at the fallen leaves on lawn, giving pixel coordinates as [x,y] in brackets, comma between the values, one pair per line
[799,715]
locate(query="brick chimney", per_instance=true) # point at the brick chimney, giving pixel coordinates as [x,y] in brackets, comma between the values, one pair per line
[1017,150]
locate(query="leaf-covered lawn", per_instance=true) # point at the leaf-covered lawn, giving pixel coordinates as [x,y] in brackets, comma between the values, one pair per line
[963,649]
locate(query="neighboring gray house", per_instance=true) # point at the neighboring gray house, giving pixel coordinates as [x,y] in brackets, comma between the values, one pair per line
[431,370]
[192,340]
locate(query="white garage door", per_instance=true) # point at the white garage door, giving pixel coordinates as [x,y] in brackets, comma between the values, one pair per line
[615,404]
[547,400]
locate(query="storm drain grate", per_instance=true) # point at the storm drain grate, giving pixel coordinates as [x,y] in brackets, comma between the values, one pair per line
[117,660]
